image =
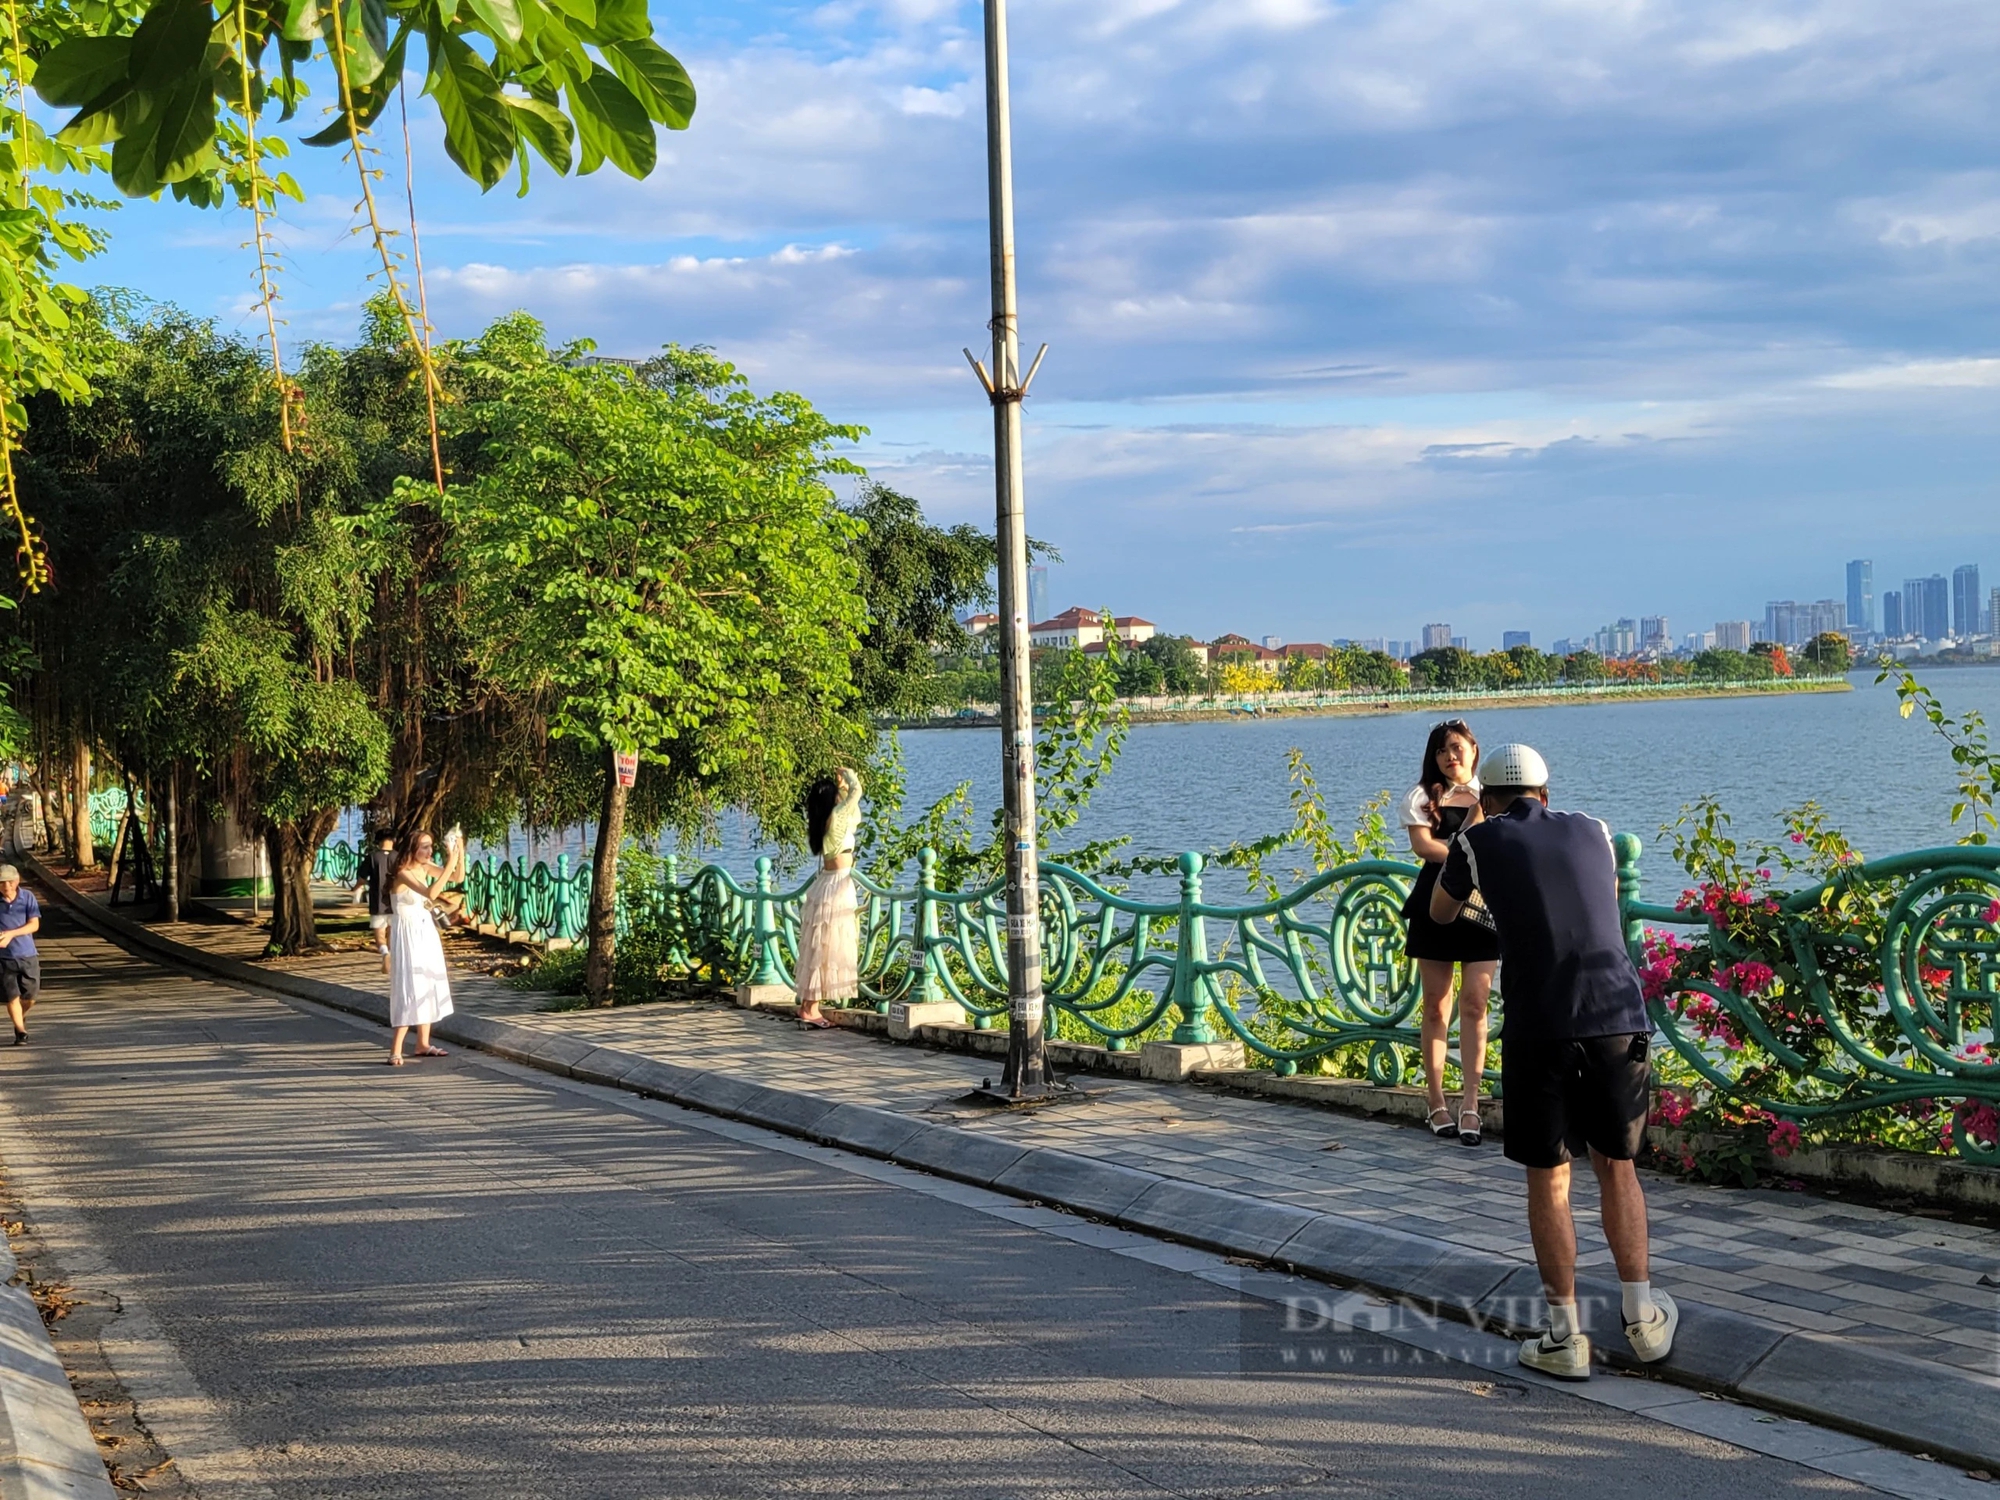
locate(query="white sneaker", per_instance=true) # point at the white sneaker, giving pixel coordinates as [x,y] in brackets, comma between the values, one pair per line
[1569,1360]
[1653,1340]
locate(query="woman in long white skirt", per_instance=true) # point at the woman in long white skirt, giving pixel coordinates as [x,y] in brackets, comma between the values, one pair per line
[829,965]
[419,985]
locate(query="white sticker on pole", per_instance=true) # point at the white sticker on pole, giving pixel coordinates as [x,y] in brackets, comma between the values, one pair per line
[1028,1008]
[1023,925]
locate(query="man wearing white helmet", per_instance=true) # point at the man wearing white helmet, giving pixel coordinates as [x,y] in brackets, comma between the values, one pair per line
[1573,1055]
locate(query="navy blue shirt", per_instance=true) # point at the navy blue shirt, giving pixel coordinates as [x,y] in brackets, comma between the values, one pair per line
[1551,881]
[23,909]
[379,876]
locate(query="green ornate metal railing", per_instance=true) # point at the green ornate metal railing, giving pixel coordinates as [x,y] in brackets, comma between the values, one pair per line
[337,863]
[1882,993]
[1321,969]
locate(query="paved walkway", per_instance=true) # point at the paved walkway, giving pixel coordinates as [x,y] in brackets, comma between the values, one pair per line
[1921,1287]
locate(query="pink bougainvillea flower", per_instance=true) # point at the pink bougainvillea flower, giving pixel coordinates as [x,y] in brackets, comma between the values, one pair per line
[1783,1138]
[1991,914]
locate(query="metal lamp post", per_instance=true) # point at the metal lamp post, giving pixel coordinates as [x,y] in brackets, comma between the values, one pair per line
[1026,1075]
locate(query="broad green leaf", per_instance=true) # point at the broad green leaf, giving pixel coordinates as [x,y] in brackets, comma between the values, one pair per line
[621,21]
[583,12]
[478,134]
[301,22]
[501,18]
[104,119]
[82,68]
[365,28]
[657,78]
[611,124]
[169,44]
[371,100]
[160,145]
[544,127]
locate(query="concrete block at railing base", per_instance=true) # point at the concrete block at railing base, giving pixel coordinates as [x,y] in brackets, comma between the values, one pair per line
[1173,1062]
[765,996]
[904,1019]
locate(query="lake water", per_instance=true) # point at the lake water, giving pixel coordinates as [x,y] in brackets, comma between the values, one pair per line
[1885,780]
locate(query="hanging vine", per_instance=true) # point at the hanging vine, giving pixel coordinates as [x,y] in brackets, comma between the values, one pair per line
[30,555]
[420,344]
[423,296]
[267,286]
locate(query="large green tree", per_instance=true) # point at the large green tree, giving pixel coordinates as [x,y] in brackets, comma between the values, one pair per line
[657,559]
[210,595]
[915,578]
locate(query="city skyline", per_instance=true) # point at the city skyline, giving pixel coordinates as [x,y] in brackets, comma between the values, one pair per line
[1788,621]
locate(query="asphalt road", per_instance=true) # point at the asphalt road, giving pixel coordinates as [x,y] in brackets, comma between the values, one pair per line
[454,1279]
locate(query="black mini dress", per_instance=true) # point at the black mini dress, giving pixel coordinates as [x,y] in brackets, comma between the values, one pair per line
[1459,942]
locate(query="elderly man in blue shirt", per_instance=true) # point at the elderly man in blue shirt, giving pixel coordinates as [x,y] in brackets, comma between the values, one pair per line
[20,965]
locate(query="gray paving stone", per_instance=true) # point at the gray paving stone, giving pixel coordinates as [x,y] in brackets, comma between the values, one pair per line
[1426,1270]
[718,1093]
[1950,1412]
[874,1132]
[662,1080]
[1234,1223]
[560,1053]
[961,1154]
[607,1065]
[790,1110]
[1076,1182]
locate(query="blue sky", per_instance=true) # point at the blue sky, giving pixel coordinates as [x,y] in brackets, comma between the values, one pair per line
[1362,315]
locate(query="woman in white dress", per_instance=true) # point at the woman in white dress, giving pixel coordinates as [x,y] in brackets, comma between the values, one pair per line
[419,986]
[829,966]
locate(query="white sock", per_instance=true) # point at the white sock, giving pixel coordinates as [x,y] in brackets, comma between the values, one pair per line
[1562,1321]
[1639,1305]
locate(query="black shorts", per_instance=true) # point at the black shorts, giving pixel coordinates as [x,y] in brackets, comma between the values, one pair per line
[1565,1096]
[20,977]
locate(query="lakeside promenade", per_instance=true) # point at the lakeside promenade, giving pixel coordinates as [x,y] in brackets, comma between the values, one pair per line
[1871,1319]
[1278,703]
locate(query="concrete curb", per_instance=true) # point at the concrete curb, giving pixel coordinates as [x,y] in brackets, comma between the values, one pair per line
[46,1449]
[1937,1409]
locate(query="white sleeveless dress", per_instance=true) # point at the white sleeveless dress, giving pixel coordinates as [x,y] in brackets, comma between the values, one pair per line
[419,985]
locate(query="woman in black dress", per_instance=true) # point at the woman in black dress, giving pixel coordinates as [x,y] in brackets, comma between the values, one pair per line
[1444,800]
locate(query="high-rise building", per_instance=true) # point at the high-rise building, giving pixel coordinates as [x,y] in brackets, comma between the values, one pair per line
[1993,613]
[1697,641]
[1732,635]
[1617,641]
[1509,639]
[1436,637]
[1274,643]
[1965,600]
[1927,607]
[1861,595]
[1038,593]
[1892,614]
[1791,622]
[1653,633]
[1462,642]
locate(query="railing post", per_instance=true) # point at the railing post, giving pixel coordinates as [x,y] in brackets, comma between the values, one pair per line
[563,903]
[927,990]
[1628,848]
[764,929]
[670,913]
[1190,984]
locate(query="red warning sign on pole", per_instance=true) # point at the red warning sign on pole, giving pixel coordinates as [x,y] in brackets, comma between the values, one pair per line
[627,767]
